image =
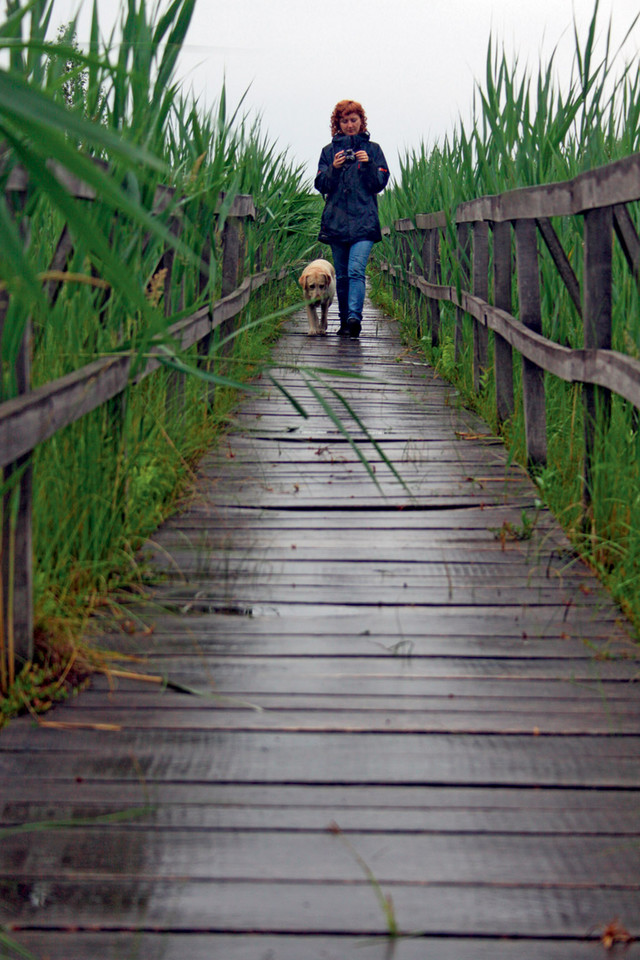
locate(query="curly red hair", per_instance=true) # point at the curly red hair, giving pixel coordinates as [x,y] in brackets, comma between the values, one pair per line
[347,106]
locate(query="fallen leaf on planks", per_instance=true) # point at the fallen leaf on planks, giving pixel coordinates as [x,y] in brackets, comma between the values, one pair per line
[614,933]
[487,437]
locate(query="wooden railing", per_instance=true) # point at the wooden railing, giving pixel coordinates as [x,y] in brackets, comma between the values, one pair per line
[486,230]
[35,415]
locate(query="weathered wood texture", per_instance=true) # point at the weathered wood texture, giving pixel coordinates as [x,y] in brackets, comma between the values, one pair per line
[598,235]
[480,285]
[463,235]
[535,417]
[503,353]
[615,183]
[428,667]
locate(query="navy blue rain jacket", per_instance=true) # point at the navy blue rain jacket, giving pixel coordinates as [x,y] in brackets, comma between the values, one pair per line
[351,207]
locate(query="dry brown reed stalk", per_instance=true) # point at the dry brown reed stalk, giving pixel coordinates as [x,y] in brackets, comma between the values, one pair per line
[64,276]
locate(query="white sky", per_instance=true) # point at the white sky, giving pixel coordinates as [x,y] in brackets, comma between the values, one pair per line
[411,63]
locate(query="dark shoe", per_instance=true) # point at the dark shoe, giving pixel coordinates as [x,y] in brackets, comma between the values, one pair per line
[355,327]
[344,329]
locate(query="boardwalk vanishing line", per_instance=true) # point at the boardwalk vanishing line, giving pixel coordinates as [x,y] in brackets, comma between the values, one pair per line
[418,694]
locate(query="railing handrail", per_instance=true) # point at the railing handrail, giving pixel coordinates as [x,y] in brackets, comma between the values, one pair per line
[611,369]
[605,186]
[31,418]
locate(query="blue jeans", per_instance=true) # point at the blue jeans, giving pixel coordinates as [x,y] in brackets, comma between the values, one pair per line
[350,262]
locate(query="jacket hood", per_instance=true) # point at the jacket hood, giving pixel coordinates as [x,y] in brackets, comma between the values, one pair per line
[355,141]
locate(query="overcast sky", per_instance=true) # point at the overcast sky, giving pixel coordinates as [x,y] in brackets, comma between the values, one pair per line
[411,63]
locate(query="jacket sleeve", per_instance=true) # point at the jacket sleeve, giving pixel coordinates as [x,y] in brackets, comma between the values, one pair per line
[376,171]
[327,177]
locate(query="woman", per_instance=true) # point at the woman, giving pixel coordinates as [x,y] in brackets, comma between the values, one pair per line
[352,170]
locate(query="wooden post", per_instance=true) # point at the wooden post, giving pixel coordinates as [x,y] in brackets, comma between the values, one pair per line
[6,658]
[503,354]
[116,408]
[232,265]
[393,273]
[480,289]
[232,250]
[598,242]
[532,376]
[22,612]
[16,545]
[427,252]
[411,265]
[402,263]
[205,344]
[464,241]
[259,260]
[175,389]
[404,228]
[434,277]
[270,254]
[242,255]
[414,266]
[429,226]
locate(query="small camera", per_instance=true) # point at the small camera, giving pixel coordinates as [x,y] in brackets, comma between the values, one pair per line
[349,155]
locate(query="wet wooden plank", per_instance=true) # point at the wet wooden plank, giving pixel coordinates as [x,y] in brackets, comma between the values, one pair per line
[447,519]
[349,800]
[446,694]
[499,540]
[260,692]
[343,495]
[378,810]
[239,595]
[318,473]
[535,623]
[346,758]
[310,857]
[470,695]
[295,908]
[183,552]
[490,583]
[513,717]
[225,636]
[342,684]
[169,946]
[323,674]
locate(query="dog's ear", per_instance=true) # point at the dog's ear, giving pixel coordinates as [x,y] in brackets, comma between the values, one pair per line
[327,277]
[302,280]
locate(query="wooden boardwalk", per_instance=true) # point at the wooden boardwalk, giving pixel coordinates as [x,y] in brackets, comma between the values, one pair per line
[401,699]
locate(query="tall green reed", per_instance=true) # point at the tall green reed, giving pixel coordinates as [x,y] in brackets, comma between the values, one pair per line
[527,129]
[115,117]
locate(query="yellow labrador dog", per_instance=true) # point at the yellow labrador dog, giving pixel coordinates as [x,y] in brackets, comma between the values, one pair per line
[318,282]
